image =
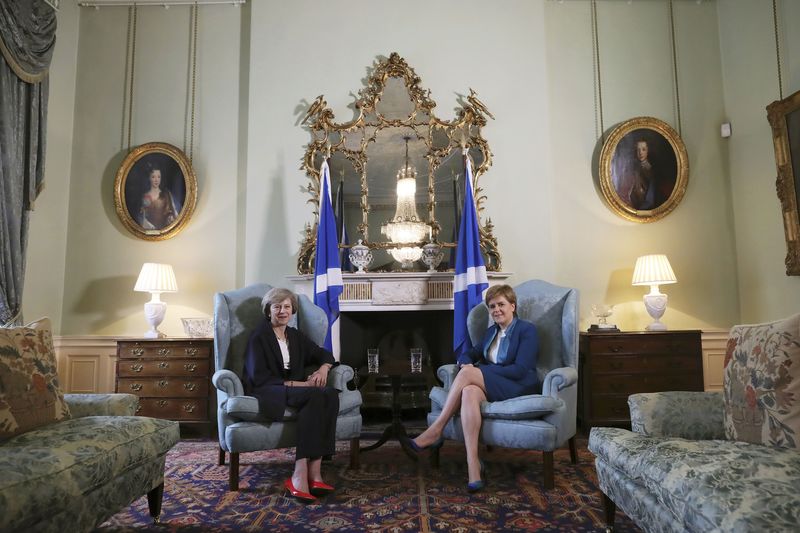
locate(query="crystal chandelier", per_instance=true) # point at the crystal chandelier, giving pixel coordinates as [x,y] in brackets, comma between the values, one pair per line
[406,227]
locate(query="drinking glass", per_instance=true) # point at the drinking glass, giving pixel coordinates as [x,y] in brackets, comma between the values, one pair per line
[373,361]
[416,360]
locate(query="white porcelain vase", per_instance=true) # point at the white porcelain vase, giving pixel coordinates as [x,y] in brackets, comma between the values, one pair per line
[360,256]
[432,255]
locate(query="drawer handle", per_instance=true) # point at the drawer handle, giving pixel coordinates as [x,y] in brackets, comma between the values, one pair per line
[136,386]
[137,351]
[163,383]
[138,409]
[616,349]
[162,403]
[189,386]
[137,367]
[163,351]
[189,408]
[191,351]
[191,367]
[163,364]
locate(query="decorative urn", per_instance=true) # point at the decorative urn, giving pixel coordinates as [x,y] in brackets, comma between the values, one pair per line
[360,256]
[432,255]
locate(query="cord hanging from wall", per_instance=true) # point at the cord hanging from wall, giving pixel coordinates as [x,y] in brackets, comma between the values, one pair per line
[155,190]
[644,168]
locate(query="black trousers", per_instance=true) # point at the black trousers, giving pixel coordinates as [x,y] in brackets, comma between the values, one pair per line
[317,409]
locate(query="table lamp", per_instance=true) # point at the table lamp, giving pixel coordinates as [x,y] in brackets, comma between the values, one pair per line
[654,270]
[155,278]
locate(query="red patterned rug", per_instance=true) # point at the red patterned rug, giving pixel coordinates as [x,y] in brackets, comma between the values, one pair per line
[389,493]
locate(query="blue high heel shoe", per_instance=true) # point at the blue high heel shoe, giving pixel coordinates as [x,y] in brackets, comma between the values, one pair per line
[475,486]
[417,448]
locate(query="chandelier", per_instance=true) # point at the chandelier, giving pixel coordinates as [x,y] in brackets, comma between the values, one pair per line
[405,228]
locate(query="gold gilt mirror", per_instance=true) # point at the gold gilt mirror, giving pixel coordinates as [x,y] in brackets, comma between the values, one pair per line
[397,171]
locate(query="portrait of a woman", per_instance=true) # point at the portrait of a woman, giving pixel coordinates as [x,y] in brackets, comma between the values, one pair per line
[158,209]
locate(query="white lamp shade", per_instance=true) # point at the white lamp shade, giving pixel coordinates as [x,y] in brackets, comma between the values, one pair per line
[156,278]
[653,270]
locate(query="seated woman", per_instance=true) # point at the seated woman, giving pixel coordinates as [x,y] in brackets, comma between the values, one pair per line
[274,372]
[503,366]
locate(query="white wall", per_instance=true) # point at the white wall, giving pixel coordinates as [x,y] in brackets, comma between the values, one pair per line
[750,69]
[530,62]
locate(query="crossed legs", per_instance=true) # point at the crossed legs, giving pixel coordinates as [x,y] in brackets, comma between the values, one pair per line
[466,394]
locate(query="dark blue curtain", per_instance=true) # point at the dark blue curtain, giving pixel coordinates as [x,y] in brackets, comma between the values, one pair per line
[27,40]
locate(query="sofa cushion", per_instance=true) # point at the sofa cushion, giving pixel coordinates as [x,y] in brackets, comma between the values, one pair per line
[42,469]
[762,383]
[29,392]
[709,485]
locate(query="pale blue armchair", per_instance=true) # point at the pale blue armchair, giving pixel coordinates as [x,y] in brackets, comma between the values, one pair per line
[544,421]
[241,427]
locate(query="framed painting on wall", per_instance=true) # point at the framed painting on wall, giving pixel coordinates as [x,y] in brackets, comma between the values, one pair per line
[644,169]
[784,117]
[155,191]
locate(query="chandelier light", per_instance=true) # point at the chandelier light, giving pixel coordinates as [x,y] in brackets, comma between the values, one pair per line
[406,228]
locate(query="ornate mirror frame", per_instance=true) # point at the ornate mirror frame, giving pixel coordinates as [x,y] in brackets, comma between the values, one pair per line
[440,139]
[784,117]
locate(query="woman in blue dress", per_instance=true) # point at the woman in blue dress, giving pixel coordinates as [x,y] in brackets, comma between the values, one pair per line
[502,366]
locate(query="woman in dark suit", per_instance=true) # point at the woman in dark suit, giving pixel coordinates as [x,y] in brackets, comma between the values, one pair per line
[503,366]
[274,372]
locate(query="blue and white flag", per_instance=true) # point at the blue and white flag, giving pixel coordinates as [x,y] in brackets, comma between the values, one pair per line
[328,283]
[470,281]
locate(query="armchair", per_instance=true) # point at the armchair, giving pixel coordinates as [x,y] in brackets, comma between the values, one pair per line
[544,421]
[241,427]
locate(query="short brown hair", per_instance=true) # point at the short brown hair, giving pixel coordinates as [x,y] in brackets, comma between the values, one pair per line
[275,296]
[502,290]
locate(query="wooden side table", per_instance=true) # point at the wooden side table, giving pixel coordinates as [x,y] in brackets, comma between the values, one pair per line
[615,365]
[171,376]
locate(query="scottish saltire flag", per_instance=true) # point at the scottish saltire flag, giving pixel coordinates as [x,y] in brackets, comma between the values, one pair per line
[470,280]
[328,283]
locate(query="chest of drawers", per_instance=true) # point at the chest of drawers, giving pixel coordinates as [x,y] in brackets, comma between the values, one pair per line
[172,378]
[615,365]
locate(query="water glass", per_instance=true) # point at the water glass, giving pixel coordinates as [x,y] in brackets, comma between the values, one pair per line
[373,362]
[416,360]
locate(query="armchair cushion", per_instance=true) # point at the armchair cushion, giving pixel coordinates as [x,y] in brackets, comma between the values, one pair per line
[683,414]
[528,407]
[762,383]
[30,395]
[245,408]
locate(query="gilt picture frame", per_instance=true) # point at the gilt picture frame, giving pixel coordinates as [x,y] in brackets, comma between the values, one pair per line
[644,169]
[784,117]
[155,191]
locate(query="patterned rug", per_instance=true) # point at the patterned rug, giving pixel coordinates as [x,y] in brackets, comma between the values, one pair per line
[389,493]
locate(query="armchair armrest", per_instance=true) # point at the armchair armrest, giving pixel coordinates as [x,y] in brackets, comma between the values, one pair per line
[682,414]
[340,376]
[228,382]
[558,379]
[116,404]
[447,373]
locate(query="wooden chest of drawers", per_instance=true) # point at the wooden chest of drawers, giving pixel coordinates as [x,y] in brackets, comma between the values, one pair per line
[615,365]
[172,378]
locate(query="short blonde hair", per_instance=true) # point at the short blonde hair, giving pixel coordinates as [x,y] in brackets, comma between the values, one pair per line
[275,296]
[502,290]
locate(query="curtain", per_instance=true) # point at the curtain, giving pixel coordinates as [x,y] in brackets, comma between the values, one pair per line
[27,40]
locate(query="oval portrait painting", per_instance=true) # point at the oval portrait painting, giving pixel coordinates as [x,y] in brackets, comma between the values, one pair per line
[155,191]
[643,169]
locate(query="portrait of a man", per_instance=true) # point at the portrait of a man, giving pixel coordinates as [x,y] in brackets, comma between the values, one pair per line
[155,191]
[644,169]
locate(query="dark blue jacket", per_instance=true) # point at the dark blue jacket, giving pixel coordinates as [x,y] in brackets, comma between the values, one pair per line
[516,376]
[264,375]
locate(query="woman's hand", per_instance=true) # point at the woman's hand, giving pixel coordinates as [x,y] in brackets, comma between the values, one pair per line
[320,377]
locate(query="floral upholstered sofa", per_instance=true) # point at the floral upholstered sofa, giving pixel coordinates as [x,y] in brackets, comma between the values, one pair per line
[68,462]
[713,461]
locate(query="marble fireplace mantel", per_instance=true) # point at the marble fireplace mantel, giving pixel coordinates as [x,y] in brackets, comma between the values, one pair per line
[393,291]
[390,291]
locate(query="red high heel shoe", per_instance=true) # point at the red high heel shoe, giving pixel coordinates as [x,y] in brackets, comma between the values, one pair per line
[320,488]
[298,494]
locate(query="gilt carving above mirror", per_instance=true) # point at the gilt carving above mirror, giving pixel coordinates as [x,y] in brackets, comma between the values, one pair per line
[395,136]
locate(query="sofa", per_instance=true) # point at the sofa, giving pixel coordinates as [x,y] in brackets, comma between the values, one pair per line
[713,461]
[70,461]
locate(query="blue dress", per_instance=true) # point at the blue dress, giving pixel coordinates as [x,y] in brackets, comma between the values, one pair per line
[516,374]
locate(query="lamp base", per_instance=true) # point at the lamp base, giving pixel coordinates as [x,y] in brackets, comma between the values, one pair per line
[656,304]
[656,326]
[154,313]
